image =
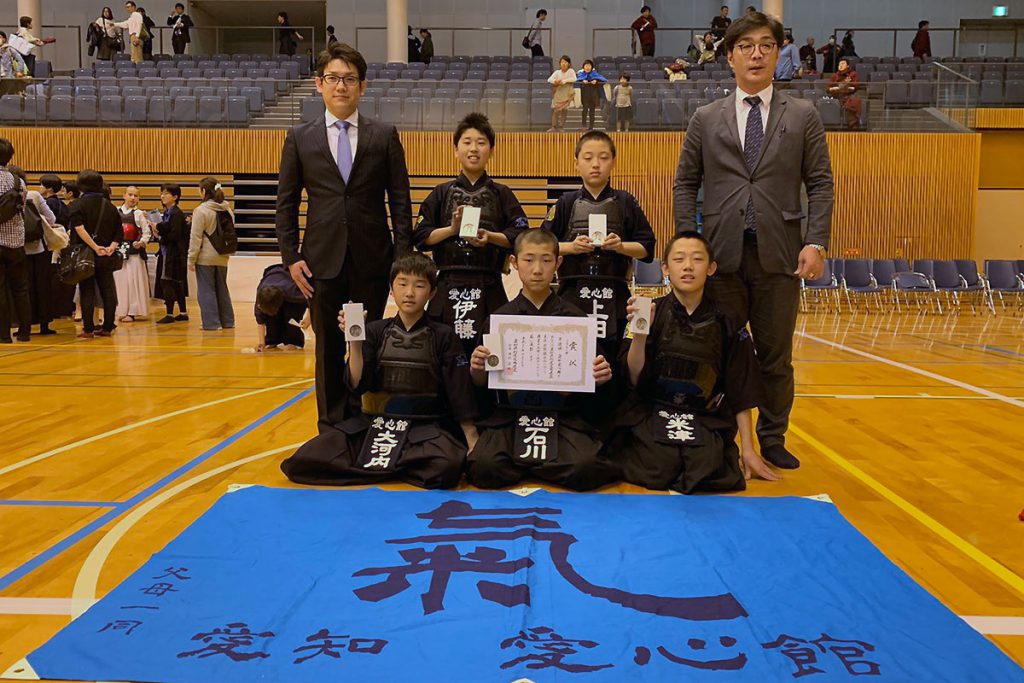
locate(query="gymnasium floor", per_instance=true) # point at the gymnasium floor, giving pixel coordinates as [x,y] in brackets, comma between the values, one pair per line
[113,446]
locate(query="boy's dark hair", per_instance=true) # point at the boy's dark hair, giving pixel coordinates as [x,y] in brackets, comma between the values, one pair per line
[566,58]
[18,172]
[688,235]
[172,189]
[724,7]
[51,182]
[921,24]
[595,135]
[330,28]
[6,151]
[752,22]
[89,180]
[475,121]
[71,187]
[130,2]
[645,8]
[626,76]
[540,12]
[345,53]
[416,265]
[24,21]
[178,4]
[588,61]
[269,300]
[536,236]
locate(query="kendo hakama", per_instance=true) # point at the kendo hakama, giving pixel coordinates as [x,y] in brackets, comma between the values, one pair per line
[677,428]
[415,389]
[540,434]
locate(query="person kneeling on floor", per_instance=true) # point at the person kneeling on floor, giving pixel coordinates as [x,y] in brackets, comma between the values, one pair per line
[414,380]
[280,310]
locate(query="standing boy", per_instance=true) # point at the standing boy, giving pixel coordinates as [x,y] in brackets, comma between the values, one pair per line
[573,457]
[469,281]
[414,382]
[694,380]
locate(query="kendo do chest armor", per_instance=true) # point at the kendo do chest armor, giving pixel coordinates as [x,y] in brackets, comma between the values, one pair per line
[687,364]
[132,232]
[408,384]
[597,264]
[456,253]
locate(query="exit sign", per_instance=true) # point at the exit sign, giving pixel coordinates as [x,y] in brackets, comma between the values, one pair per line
[1000,11]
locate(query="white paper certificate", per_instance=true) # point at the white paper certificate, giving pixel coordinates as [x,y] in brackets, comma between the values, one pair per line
[542,353]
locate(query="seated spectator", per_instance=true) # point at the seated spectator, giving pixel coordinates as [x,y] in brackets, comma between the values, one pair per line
[844,88]
[281,311]
[676,71]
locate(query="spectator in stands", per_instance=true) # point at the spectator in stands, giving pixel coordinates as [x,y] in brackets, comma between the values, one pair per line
[645,26]
[591,85]
[708,48]
[38,258]
[676,71]
[331,38]
[809,56]
[830,51]
[426,46]
[719,25]
[922,43]
[94,222]
[13,263]
[533,37]
[13,70]
[147,43]
[25,33]
[209,265]
[789,61]
[281,311]
[844,88]
[180,24]
[136,29]
[414,47]
[110,36]
[287,37]
[562,93]
[750,10]
[848,48]
[171,276]
[132,281]
[623,95]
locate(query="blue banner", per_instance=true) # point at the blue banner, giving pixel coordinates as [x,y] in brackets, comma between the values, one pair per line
[299,586]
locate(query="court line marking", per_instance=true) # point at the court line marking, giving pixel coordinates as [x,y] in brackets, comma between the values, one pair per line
[927,397]
[992,566]
[57,548]
[996,626]
[142,423]
[62,503]
[918,371]
[84,593]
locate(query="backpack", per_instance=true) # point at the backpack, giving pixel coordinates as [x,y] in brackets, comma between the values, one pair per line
[33,223]
[12,202]
[224,238]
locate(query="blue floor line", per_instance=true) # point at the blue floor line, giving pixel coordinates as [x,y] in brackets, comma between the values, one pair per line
[1004,351]
[56,549]
[62,503]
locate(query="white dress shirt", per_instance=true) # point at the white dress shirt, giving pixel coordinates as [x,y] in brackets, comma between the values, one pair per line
[743,111]
[334,133]
[133,24]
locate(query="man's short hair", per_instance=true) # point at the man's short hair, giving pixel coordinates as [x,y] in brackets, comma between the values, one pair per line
[542,13]
[475,121]
[90,180]
[330,28]
[921,24]
[645,8]
[595,135]
[129,2]
[24,21]
[345,53]
[724,7]
[269,299]
[417,265]
[173,189]
[51,182]
[178,4]
[688,235]
[539,236]
[752,22]
[6,151]
[18,172]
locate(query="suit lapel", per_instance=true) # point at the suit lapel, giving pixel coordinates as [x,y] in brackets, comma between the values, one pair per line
[366,133]
[775,112]
[729,115]
[324,145]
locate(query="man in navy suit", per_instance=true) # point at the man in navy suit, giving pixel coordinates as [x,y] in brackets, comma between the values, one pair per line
[346,163]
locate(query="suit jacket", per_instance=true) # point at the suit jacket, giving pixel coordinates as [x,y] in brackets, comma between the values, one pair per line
[794,150]
[339,216]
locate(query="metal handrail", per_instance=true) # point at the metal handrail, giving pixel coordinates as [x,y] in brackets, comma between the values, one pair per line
[692,30]
[955,31]
[311,37]
[456,29]
[78,38]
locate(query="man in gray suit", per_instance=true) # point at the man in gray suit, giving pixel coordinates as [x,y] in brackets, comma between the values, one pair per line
[751,151]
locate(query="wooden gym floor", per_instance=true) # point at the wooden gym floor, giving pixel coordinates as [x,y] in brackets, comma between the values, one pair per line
[113,446]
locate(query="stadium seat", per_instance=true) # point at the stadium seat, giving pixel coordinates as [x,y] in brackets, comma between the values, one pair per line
[991,93]
[463,106]
[135,109]
[896,93]
[110,109]
[412,112]
[540,112]
[368,107]
[85,109]
[438,113]
[646,112]
[517,112]
[11,108]
[673,111]
[211,109]
[831,113]
[920,93]
[312,107]
[494,109]
[1013,94]
[184,109]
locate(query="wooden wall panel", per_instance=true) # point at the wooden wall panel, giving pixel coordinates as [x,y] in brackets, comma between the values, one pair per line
[999,118]
[903,194]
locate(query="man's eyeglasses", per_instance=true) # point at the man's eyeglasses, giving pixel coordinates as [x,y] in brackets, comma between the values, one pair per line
[333,81]
[747,49]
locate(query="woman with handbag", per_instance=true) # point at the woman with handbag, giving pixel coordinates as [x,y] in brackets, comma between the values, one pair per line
[95,224]
[110,36]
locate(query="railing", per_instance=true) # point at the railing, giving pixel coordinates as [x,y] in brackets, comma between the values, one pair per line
[515,38]
[950,36]
[66,53]
[956,95]
[616,37]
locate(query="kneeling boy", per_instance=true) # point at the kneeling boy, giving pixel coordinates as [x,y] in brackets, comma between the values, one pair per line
[499,459]
[280,309]
[414,380]
[695,380]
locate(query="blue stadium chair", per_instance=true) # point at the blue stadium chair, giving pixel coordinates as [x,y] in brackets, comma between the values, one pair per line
[107,90]
[920,93]
[191,73]
[280,76]
[207,64]
[135,109]
[494,91]
[234,73]
[213,73]
[227,91]
[227,64]
[291,68]
[312,107]
[67,90]
[269,88]
[236,110]
[10,108]
[110,109]
[255,97]
[412,112]
[177,92]
[1013,94]
[391,110]
[155,91]
[211,109]
[148,73]
[368,107]
[831,113]
[184,109]
[85,109]
[645,112]
[422,93]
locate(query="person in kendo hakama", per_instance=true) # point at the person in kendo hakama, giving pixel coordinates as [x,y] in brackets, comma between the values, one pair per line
[469,282]
[416,392]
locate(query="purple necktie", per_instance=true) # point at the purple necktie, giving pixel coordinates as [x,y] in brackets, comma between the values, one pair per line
[752,142]
[344,150]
